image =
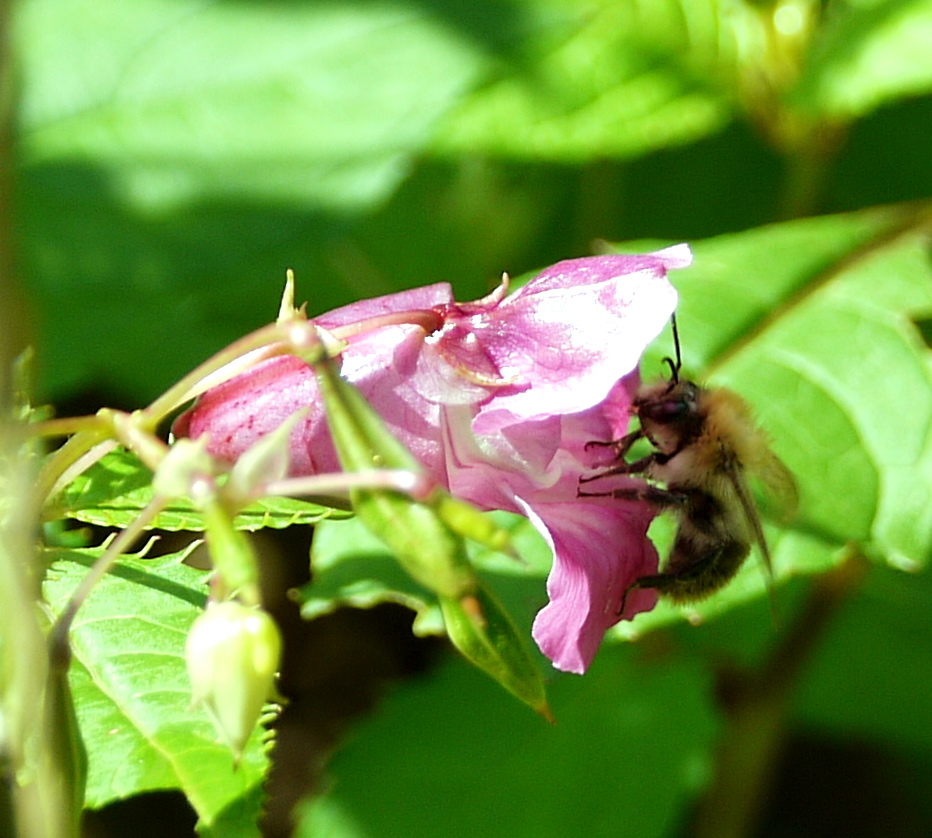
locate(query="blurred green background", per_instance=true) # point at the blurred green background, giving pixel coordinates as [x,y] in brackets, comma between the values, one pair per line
[165,161]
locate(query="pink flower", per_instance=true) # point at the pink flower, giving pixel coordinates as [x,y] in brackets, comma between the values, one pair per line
[497,399]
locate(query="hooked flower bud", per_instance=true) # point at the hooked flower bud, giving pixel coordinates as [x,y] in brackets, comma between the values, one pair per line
[233,653]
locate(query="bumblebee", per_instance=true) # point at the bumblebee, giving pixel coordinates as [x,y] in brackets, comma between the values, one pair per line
[705,445]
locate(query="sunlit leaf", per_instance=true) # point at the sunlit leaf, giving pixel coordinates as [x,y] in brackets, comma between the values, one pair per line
[868,53]
[113,491]
[351,567]
[812,322]
[320,102]
[598,79]
[131,689]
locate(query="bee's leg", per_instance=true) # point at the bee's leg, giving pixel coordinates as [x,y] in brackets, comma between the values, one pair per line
[619,446]
[699,576]
[661,582]
[661,498]
[637,467]
[637,583]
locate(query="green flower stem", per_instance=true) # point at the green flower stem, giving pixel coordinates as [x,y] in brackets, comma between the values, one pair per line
[64,753]
[467,521]
[286,337]
[360,437]
[135,432]
[63,426]
[427,539]
[424,544]
[51,804]
[109,427]
[417,486]
[39,781]
[291,334]
[807,164]
[231,552]
[267,342]
[77,454]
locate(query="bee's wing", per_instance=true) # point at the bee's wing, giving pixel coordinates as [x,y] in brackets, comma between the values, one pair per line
[752,517]
[778,482]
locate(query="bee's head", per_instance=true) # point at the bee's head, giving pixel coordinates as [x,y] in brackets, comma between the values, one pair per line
[669,412]
[667,402]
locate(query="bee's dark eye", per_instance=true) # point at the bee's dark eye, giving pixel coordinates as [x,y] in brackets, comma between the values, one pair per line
[675,404]
[665,411]
[671,409]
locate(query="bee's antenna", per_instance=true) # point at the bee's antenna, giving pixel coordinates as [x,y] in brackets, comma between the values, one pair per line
[674,366]
[676,343]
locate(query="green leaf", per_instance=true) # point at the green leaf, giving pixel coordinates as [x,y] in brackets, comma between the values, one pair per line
[131,690]
[182,100]
[351,567]
[599,79]
[841,378]
[867,54]
[812,322]
[630,746]
[113,492]
[483,631]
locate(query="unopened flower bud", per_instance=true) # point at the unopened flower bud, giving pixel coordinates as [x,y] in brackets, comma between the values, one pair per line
[233,653]
[186,461]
